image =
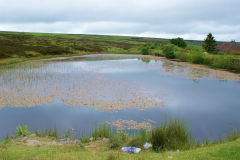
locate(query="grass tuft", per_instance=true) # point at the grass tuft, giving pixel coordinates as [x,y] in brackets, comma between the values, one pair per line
[171,135]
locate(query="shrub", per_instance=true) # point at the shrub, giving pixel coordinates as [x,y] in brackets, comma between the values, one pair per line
[32,54]
[208,60]
[197,58]
[179,42]
[226,62]
[182,56]
[169,52]
[219,62]
[159,54]
[156,46]
[145,51]
[234,52]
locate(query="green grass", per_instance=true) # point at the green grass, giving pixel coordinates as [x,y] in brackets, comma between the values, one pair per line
[217,61]
[171,135]
[100,151]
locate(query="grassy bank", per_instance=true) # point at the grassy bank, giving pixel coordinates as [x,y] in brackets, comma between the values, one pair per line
[218,61]
[170,140]
[17,47]
[100,151]
[195,54]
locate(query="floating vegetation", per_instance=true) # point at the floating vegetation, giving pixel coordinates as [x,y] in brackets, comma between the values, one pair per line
[132,125]
[39,83]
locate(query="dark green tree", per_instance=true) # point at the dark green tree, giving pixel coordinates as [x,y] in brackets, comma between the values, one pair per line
[210,44]
[179,42]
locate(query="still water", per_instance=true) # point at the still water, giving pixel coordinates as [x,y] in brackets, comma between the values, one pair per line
[129,92]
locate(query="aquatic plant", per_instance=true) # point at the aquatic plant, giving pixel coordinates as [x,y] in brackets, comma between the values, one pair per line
[49,132]
[85,139]
[233,135]
[67,134]
[37,133]
[7,136]
[132,125]
[102,131]
[172,134]
[23,131]
[55,132]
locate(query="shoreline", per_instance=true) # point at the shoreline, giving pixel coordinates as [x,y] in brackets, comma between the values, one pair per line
[9,61]
[223,73]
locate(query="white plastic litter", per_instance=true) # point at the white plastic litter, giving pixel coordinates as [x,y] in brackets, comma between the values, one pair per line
[131,149]
[91,139]
[147,145]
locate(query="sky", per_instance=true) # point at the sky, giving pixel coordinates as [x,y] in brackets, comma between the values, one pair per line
[189,19]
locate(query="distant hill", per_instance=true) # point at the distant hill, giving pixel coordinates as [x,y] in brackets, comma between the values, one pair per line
[25,44]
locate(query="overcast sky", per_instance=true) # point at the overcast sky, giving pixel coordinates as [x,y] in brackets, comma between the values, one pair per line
[190,19]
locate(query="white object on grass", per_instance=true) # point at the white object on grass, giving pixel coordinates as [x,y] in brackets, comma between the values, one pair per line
[147,145]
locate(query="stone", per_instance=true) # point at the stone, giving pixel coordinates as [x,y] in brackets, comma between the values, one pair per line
[33,143]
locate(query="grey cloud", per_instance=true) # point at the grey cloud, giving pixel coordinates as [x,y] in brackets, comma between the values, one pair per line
[135,17]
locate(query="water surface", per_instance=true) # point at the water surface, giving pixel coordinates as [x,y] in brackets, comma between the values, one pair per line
[81,92]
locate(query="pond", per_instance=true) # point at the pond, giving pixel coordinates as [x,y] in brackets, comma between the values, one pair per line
[126,91]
